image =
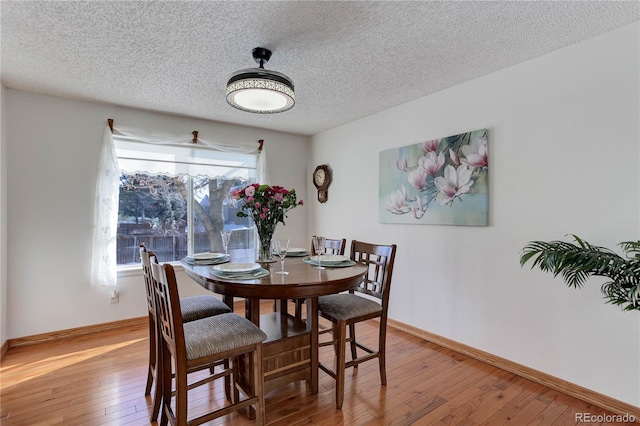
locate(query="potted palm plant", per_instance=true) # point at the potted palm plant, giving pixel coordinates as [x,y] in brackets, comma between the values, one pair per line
[577,261]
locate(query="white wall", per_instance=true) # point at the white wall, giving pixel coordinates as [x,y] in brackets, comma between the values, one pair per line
[564,154]
[3,221]
[52,152]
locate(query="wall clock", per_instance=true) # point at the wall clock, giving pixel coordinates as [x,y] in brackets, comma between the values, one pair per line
[322,180]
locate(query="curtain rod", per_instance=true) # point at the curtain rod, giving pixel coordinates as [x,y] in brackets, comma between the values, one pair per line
[194,133]
[187,163]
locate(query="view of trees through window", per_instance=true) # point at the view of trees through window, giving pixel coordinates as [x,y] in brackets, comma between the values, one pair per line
[154,209]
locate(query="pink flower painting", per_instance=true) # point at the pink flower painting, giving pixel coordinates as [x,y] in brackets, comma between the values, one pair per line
[438,181]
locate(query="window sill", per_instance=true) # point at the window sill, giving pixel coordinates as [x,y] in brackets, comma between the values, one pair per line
[136,270]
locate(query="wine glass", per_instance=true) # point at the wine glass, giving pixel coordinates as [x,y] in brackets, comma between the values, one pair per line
[226,236]
[281,246]
[318,245]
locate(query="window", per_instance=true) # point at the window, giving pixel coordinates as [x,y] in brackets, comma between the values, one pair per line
[176,199]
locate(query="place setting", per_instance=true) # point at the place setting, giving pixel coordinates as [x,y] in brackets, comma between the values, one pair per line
[239,271]
[321,259]
[206,258]
[211,258]
[295,252]
[329,260]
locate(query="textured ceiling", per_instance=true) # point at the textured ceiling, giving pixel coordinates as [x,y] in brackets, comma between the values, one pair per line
[347,59]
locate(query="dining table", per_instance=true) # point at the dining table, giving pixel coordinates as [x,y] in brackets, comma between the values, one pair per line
[290,352]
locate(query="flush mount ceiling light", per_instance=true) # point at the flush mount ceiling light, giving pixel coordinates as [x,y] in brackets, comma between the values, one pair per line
[259,90]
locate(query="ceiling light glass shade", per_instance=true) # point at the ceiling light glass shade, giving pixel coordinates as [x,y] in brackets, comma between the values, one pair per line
[260,91]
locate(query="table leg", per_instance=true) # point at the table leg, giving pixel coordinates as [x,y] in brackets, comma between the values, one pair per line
[252,310]
[282,306]
[228,300]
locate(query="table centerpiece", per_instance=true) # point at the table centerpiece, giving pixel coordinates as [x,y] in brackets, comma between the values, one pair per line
[267,205]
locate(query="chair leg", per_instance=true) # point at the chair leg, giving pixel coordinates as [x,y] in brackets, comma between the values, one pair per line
[227,380]
[340,331]
[165,382]
[334,336]
[147,390]
[235,373]
[382,350]
[152,355]
[157,393]
[352,335]
[181,396]
[155,363]
[258,385]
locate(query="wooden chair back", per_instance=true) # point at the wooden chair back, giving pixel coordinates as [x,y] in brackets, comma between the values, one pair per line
[333,246]
[146,258]
[168,313]
[379,259]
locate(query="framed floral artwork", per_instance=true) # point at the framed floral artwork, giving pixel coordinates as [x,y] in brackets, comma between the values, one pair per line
[438,182]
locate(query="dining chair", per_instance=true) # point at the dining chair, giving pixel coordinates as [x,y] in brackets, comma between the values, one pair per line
[347,309]
[188,347]
[331,246]
[192,308]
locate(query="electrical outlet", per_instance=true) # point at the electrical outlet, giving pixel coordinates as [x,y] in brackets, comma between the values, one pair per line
[114,297]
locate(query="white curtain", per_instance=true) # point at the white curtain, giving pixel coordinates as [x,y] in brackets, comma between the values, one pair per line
[186,142]
[182,140]
[105,224]
[103,262]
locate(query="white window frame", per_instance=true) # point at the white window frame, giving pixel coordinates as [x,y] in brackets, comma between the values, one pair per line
[190,161]
[104,270]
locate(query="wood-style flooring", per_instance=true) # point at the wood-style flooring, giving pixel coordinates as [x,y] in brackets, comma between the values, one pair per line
[99,379]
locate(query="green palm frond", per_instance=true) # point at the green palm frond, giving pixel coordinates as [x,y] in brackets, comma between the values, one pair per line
[631,247]
[579,260]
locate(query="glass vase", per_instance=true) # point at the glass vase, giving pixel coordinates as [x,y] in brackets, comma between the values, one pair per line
[265,234]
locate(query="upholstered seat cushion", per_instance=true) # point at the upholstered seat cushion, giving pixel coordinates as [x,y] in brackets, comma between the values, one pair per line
[197,307]
[346,306]
[219,333]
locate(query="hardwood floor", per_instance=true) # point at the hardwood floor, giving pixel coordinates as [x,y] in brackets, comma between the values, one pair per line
[99,379]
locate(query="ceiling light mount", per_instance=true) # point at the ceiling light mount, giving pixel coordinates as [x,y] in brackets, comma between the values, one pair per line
[259,90]
[261,55]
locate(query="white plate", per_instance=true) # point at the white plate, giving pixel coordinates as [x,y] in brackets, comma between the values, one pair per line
[329,258]
[294,250]
[343,264]
[207,256]
[237,267]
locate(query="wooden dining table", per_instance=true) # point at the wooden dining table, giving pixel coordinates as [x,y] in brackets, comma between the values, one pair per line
[290,352]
